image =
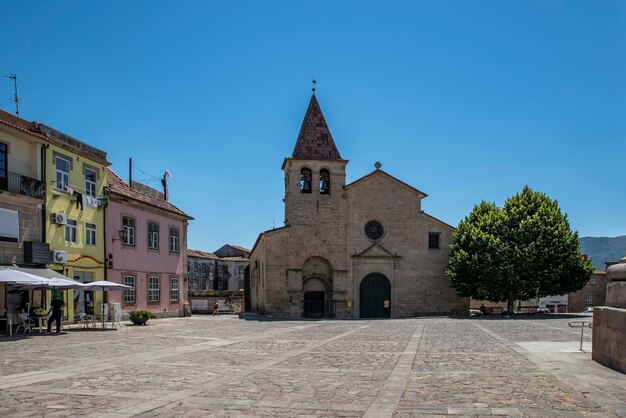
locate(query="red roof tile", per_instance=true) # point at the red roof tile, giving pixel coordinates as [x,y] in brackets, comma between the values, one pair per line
[20,124]
[116,185]
[315,141]
[200,254]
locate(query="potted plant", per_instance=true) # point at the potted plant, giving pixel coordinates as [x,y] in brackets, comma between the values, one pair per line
[140,317]
[39,313]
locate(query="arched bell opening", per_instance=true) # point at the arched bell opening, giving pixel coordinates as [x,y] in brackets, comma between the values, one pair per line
[324,181]
[305,180]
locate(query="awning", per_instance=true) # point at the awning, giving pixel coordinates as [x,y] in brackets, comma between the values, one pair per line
[40,271]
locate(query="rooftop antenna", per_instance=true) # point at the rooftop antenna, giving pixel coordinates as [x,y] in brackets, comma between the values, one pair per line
[16,98]
[314,83]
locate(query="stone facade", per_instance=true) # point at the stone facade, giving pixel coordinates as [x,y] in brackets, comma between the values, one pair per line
[364,249]
[609,322]
[593,294]
[29,215]
[200,270]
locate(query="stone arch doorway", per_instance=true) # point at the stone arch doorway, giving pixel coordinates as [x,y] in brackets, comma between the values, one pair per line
[375,296]
[314,298]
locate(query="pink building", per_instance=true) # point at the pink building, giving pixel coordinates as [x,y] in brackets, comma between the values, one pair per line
[146,248]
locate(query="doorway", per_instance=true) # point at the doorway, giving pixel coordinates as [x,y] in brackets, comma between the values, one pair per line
[375,297]
[83,299]
[313,304]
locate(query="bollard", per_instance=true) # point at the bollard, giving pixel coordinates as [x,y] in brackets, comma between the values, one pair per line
[581,325]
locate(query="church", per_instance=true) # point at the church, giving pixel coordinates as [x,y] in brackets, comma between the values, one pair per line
[360,250]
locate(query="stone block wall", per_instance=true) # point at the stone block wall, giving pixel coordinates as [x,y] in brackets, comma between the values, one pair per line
[609,337]
[29,213]
[576,300]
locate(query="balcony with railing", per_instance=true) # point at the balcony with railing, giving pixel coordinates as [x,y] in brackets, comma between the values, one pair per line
[23,185]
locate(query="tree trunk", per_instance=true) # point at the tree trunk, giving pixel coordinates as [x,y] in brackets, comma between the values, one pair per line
[509,304]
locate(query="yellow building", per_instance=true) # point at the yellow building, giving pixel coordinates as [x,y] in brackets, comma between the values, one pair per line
[74,213]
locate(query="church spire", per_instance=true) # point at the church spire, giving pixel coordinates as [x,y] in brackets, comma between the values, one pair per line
[314,140]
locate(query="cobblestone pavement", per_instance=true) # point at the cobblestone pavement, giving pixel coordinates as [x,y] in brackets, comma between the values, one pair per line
[226,366]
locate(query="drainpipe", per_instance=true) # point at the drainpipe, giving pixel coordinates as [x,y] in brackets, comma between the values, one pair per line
[104,237]
[44,147]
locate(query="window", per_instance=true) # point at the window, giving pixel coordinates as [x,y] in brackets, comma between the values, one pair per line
[173,240]
[188,266]
[154,289]
[374,230]
[70,231]
[128,226]
[63,172]
[153,236]
[174,289]
[433,240]
[9,225]
[203,268]
[90,182]
[324,182]
[589,300]
[4,151]
[305,180]
[195,266]
[90,234]
[129,294]
[593,280]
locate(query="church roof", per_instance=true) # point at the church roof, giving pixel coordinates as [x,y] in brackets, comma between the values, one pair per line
[314,140]
[385,174]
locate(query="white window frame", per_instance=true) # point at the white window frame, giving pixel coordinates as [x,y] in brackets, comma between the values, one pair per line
[154,289]
[129,238]
[71,235]
[589,300]
[174,289]
[593,280]
[9,225]
[90,234]
[174,240]
[62,177]
[153,236]
[129,294]
[90,186]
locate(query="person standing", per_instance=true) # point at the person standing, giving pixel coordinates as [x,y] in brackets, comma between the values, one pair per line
[56,307]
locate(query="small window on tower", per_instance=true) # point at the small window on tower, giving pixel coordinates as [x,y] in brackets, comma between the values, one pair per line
[324,182]
[305,180]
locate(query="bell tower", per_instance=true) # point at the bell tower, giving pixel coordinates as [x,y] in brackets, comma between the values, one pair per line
[315,174]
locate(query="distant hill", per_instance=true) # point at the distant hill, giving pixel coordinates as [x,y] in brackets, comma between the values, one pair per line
[601,249]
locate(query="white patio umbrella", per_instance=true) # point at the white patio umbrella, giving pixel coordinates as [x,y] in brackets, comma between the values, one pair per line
[19,278]
[105,285]
[56,283]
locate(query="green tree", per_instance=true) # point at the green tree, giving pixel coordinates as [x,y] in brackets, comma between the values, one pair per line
[523,250]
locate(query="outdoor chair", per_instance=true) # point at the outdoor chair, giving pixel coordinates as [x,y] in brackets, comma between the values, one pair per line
[85,321]
[25,324]
[65,322]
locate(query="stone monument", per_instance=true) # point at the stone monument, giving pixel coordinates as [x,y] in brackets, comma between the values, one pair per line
[609,322]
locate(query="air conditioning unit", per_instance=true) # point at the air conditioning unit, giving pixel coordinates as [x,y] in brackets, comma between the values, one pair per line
[36,252]
[58,257]
[59,218]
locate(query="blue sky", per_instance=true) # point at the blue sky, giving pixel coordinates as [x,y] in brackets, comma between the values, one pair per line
[463,100]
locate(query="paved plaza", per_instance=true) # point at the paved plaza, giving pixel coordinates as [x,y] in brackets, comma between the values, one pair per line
[227,366]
